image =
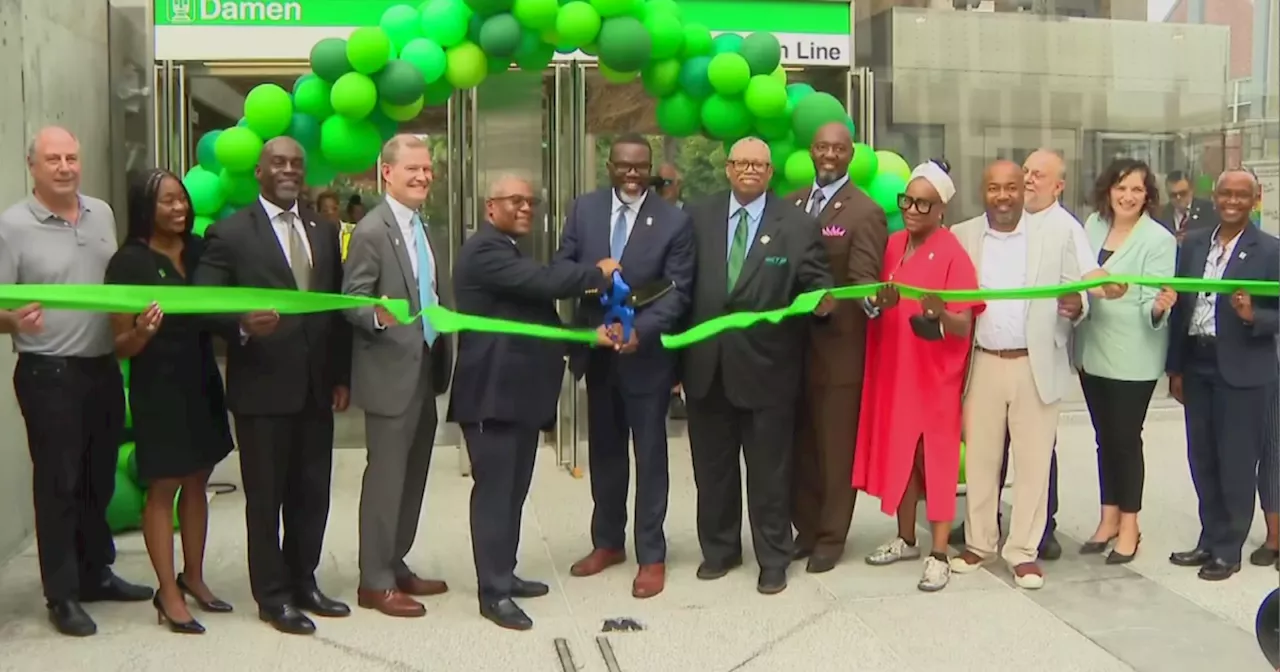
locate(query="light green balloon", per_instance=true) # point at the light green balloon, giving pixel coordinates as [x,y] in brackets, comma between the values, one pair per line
[349,145]
[578,24]
[729,73]
[614,76]
[268,109]
[780,74]
[697,41]
[425,55]
[205,190]
[445,22]
[662,78]
[799,168]
[536,15]
[312,97]
[402,112]
[241,188]
[368,49]
[864,165]
[402,24]
[354,95]
[238,149]
[765,96]
[611,8]
[465,65]
[890,163]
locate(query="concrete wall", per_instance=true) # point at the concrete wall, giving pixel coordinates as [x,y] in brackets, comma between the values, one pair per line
[53,70]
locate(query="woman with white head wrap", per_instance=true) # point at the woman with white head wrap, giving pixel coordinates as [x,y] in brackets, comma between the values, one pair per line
[917,352]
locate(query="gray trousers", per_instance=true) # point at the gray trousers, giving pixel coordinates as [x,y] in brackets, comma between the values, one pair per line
[395,480]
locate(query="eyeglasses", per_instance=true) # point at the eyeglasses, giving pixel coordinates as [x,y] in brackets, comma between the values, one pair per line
[624,168]
[518,201]
[922,206]
[1181,193]
[743,165]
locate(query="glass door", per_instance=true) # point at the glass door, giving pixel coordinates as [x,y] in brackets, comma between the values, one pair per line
[171,113]
[861,104]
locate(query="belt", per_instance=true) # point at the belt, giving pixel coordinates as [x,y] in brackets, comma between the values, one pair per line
[1014,353]
[98,360]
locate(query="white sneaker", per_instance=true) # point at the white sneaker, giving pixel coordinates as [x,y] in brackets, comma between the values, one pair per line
[893,552]
[937,574]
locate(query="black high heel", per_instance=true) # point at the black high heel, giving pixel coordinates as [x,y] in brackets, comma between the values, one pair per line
[1118,558]
[214,606]
[191,627]
[1097,547]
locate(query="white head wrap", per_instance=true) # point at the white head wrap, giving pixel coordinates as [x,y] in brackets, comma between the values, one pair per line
[936,176]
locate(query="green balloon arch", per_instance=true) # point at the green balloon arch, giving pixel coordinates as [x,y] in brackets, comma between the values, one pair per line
[360,89]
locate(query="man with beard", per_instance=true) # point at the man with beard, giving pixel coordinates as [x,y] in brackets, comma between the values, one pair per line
[629,386]
[285,378]
[854,232]
[1018,373]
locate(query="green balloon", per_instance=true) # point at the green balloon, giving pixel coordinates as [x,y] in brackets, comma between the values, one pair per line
[312,97]
[227,212]
[536,15]
[895,224]
[305,129]
[205,155]
[402,113]
[772,129]
[779,151]
[798,91]
[884,189]
[319,171]
[402,24]
[200,224]
[124,510]
[728,73]
[368,49]
[445,22]
[726,43]
[763,52]
[489,7]
[668,7]
[349,145]
[893,164]
[500,36]
[205,191]
[678,115]
[765,96]
[240,188]
[268,110]
[725,118]
[534,55]
[578,24]
[387,127]
[425,55]
[864,165]
[662,78]
[624,44]
[238,148]
[354,95]
[438,92]
[609,8]
[697,41]
[329,59]
[812,113]
[399,83]
[465,65]
[799,168]
[496,65]
[666,33]
[693,77]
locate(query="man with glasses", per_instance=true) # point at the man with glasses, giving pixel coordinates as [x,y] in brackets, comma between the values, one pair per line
[1185,212]
[756,252]
[629,385]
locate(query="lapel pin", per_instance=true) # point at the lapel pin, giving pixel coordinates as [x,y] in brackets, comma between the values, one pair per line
[1243,255]
[313,224]
[395,242]
[764,240]
[798,203]
[648,221]
[836,206]
[930,256]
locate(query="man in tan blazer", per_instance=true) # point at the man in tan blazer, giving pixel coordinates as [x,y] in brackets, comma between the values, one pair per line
[854,231]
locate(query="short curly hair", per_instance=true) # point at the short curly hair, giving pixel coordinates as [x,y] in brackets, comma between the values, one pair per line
[1117,171]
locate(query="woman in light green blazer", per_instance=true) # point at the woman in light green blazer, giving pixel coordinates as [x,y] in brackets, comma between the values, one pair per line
[1120,346]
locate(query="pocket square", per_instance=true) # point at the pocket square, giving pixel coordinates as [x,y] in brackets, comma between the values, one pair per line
[833,231]
[775,261]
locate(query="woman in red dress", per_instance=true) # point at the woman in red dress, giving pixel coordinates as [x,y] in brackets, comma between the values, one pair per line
[917,355]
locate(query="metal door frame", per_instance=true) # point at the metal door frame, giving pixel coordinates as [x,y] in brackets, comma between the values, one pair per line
[860,101]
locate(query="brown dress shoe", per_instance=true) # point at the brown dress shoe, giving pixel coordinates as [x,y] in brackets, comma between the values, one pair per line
[650,580]
[597,561]
[391,603]
[416,585]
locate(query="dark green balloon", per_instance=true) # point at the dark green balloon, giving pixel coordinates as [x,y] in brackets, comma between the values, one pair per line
[812,112]
[329,59]
[305,129]
[762,51]
[693,77]
[387,127]
[399,83]
[500,36]
[489,7]
[438,92]
[624,44]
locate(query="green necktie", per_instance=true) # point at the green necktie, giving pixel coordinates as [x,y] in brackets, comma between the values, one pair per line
[738,252]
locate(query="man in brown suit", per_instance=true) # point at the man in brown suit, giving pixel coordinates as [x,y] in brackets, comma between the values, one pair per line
[854,230]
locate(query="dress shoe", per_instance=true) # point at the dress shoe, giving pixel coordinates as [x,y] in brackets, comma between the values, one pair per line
[70,619]
[1196,557]
[677,409]
[287,619]
[1092,547]
[597,561]
[528,589]
[506,614]
[710,571]
[1217,570]
[649,581]
[191,627]
[820,563]
[1264,556]
[320,604]
[214,605]
[390,602]
[115,589]
[1118,558]
[412,584]
[801,553]
[772,581]
[1050,549]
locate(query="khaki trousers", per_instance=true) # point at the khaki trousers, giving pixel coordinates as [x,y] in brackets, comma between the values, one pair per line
[1002,393]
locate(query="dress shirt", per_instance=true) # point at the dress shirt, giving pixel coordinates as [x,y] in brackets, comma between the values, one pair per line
[1203,322]
[755,211]
[403,215]
[631,213]
[828,192]
[280,225]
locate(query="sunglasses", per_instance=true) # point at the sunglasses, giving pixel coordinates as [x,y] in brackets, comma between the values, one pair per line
[922,206]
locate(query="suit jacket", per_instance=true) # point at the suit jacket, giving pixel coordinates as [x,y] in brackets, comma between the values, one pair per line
[499,377]
[1051,260]
[758,366]
[659,248]
[854,233]
[386,363]
[1201,215]
[307,354]
[1246,352]
[1118,340]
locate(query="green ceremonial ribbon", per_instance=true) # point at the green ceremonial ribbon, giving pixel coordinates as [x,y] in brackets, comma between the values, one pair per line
[132,299]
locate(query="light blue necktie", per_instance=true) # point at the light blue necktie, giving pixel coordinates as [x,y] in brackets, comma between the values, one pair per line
[426,297]
[618,241]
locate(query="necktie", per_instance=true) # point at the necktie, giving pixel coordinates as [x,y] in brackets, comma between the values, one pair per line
[298,262]
[738,251]
[426,296]
[815,202]
[618,239]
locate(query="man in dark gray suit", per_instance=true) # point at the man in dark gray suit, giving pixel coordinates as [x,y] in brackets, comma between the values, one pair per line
[755,252]
[397,371]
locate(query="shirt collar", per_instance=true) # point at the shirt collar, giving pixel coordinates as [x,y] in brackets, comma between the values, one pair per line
[829,191]
[42,212]
[1215,242]
[274,211]
[754,208]
[1017,230]
[617,203]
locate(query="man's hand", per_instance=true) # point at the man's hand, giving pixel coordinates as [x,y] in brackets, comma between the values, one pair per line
[260,323]
[933,306]
[28,319]
[608,266]
[148,322]
[1243,303]
[1175,387]
[1164,301]
[341,398]
[615,334]
[1070,306]
[604,337]
[825,306]
[886,297]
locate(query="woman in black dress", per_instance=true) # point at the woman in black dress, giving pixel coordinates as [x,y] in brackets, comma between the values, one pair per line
[180,422]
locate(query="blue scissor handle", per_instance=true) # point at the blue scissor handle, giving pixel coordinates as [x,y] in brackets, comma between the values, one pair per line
[617,309]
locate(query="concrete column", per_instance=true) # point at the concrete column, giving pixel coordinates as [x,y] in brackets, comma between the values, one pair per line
[1264,74]
[1195,11]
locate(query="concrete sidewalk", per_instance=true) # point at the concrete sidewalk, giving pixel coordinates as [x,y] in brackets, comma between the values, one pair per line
[1148,616]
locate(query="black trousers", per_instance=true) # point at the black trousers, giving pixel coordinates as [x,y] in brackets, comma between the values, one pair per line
[1228,429]
[1118,408]
[286,464]
[614,418]
[73,408]
[502,460]
[720,432]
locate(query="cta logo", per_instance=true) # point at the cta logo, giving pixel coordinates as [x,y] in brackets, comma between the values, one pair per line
[180,11]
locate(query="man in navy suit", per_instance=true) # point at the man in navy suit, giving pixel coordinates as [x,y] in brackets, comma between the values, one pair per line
[1223,367]
[629,388]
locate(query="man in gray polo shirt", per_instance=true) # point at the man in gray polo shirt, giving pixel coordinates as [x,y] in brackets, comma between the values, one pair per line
[67,381]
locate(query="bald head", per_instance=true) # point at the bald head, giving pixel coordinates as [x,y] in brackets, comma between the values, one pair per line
[1000,170]
[1045,175]
[831,151]
[281,168]
[53,157]
[506,185]
[750,169]
[1003,193]
[510,205]
[1235,195]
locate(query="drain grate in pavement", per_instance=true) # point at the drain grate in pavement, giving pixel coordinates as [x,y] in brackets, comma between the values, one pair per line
[565,655]
[606,652]
[621,625]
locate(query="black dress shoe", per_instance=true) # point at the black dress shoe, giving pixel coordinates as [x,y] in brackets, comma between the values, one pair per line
[956,538]
[1264,556]
[1096,547]
[213,606]
[1050,549]
[821,563]
[115,589]
[527,589]
[287,619]
[70,619]
[191,627]
[709,571]
[1217,570]
[772,581]
[506,614]
[1196,557]
[320,604]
